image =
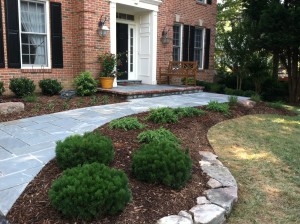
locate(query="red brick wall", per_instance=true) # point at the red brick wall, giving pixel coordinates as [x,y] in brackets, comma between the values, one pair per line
[82,45]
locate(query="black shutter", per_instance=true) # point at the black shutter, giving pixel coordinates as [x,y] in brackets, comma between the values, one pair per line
[206,49]
[192,43]
[209,2]
[12,34]
[2,63]
[56,35]
[185,50]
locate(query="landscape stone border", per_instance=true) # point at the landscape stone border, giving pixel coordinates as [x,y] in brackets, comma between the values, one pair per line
[217,202]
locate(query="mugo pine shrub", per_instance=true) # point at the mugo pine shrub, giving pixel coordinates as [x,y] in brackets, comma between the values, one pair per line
[157,135]
[163,115]
[50,87]
[188,112]
[90,191]
[77,150]
[22,87]
[126,123]
[85,84]
[164,163]
[218,107]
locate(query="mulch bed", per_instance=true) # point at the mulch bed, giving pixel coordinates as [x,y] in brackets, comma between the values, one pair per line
[53,104]
[150,201]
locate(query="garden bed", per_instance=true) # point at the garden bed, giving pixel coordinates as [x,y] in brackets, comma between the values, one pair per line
[150,202]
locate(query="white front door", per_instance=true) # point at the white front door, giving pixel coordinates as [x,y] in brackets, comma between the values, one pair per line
[132,53]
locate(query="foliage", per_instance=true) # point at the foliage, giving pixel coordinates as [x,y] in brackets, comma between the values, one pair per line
[126,123]
[85,84]
[109,62]
[218,107]
[31,98]
[22,86]
[90,191]
[2,89]
[255,98]
[158,135]
[50,87]
[77,150]
[188,112]
[277,105]
[162,162]
[274,90]
[232,100]
[163,115]
[236,92]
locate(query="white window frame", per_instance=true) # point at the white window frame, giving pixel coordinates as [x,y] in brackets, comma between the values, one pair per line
[180,40]
[47,26]
[203,37]
[201,1]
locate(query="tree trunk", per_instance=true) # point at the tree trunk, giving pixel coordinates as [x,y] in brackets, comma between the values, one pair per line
[275,63]
[294,77]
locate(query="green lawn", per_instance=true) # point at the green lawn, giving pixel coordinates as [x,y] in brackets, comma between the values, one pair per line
[263,153]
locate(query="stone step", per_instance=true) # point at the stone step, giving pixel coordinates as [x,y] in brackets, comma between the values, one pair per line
[124,82]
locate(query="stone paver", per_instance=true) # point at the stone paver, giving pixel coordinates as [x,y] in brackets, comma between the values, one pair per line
[26,145]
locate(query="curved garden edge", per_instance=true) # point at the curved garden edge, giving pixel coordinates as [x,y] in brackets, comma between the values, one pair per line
[217,202]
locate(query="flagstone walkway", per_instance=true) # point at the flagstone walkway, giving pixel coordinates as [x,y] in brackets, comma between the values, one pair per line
[26,145]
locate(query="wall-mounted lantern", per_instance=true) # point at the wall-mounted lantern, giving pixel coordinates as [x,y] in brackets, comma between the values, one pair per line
[102,28]
[165,39]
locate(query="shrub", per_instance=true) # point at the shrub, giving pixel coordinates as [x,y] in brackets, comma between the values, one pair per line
[232,100]
[50,87]
[157,135]
[216,88]
[277,105]
[2,89]
[85,84]
[91,147]
[162,115]
[255,98]
[126,123]
[22,87]
[218,107]
[31,98]
[162,162]
[188,112]
[274,90]
[90,191]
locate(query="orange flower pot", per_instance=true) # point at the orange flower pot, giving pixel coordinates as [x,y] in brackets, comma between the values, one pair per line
[106,82]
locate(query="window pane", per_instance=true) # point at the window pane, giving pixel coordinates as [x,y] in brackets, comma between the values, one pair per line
[33,17]
[25,59]
[25,49]
[176,43]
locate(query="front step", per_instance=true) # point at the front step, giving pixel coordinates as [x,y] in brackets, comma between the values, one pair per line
[124,82]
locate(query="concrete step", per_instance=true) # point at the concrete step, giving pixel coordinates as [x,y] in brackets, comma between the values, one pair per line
[124,82]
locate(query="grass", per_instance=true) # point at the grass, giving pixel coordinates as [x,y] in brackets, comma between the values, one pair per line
[262,152]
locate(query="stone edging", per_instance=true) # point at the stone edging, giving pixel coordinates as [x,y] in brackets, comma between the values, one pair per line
[217,202]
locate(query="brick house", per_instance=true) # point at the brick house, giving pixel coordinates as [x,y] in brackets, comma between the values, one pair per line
[59,39]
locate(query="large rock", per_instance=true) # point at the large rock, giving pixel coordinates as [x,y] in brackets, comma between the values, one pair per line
[212,183]
[174,219]
[208,214]
[11,107]
[224,197]
[220,173]
[202,200]
[247,103]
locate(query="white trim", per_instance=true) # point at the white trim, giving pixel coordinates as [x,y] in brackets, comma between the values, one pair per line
[47,26]
[151,5]
[132,75]
[113,31]
[203,42]
[154,47]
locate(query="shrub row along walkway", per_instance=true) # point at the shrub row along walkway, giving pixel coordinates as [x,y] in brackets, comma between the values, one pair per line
[26,145]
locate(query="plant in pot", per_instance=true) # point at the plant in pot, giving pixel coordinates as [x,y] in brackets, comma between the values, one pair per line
[109,71]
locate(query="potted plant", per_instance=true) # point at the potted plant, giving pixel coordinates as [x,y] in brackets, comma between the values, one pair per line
[109,71]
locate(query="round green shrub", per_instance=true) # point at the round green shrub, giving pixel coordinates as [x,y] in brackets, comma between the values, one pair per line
[162,162]
[157,135]
[90,191]
[50,87]
[163,115]
[22,87]
[2,89]
[77,150]
[85,84]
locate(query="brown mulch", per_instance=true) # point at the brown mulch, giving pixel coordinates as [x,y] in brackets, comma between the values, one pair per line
[150,201]
[52,104]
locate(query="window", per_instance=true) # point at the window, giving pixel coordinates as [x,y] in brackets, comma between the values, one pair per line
[177,42]
[34,34]
[201,1]
[198,47]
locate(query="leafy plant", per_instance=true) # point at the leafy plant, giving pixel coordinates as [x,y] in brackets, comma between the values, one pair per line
[232,100]
[105,99]
[163,115]
[162,162]
[79,102]
[91,147]
[157,135]
[188,112]
[66,105]
[90,191]
[126,123]
[50,106]
[277,105]
[22,87]
[31,98]
[37,107]
[110,62]
[255,98]
[85,84]
[50,87]
[218,107]
[2,89]
[94,100]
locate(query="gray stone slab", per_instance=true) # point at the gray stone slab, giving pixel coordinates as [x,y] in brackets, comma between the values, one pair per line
[12,129]
[174,219]
[4,135]
[9,196]
[18,164]
[11,143]
[44,155]
[221,174]
[212,183]
[67,123]
[34,137]
[202,200]
[43,118]
[208,214]
[33,148]
[14,180]
[4,154]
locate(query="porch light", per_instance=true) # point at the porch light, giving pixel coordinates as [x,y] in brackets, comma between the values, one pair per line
[165,39]
[102,28]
